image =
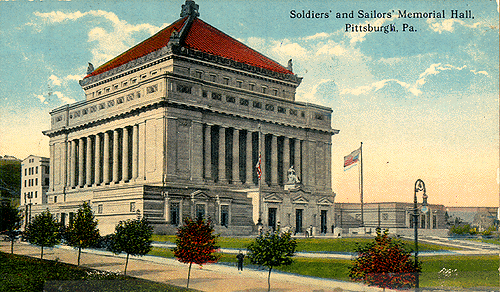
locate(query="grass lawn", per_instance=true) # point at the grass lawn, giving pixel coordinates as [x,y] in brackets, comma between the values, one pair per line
[311,244]
[21,273]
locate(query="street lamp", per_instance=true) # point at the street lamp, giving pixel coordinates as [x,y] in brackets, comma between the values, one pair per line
[419,187]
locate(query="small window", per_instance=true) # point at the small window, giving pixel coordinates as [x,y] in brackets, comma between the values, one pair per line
[198,74]
[55,199]
[385,216]
[119,100]
[244,102]
[152,88]
[36,194]
[230,99]
[153,73]
[107,89]
[174,213]
[36,170]
[200,211]
[102,106]
[275,92]
[99,209]
[239,83]
[213,78]
[281,110]
[124,83]
[264,90]
[318,117]
[216,96]
[183,88]
[84,111]
[132,206]
[257,104]
[251,86]
[224,215]
[99,92]
[130,97]
[133,80]
[302,114]
[46,181]
[111,103]
[143,76]
[269,107]
[225,81]
[138,94]
[115,87]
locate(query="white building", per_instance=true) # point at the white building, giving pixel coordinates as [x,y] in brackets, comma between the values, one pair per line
[34,183]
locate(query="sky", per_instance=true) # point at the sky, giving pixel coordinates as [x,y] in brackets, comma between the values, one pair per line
[422,98]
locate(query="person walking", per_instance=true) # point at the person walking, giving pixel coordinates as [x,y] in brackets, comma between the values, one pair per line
[240,256]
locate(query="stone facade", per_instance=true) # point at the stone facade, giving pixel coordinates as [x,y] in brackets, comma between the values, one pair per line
[34,183]
[178,132]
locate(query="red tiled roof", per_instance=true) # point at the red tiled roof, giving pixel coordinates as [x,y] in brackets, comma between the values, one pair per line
[202,37]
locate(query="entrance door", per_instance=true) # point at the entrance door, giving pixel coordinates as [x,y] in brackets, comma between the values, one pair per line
[298,220]
[323,221]
[272,218]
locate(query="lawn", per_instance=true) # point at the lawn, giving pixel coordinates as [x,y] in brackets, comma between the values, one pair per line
[21,273]
[312,244]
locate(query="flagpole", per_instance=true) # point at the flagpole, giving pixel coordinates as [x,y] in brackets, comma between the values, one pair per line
[259,221]
[361,184]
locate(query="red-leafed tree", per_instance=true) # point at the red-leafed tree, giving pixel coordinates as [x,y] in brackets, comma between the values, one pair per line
[384,263]
[196,243]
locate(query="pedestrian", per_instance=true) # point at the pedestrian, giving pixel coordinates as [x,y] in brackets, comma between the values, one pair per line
[240,256]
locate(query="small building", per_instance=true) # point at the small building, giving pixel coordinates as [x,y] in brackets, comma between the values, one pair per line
[34,183]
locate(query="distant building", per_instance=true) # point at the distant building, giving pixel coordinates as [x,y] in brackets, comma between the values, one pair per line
[397,217]
[479,217]
[175,126]
[34,183]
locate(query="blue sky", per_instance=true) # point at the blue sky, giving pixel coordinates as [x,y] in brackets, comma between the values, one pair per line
[424,103]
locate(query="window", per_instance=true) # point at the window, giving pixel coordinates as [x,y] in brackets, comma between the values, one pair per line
[244,102]
[25,171]
[47,169]
[200,211]
[230,99]
[111,103]
[434,221]
[133,80]
[264,89]
[143,76]
[174,213]
[119,100]
[281,110]
[138,94]
[46,181]
[153,73]
[257,104]
[124,83]
[198,74]
[55,199]
[130,97]
[293,112]
[115,86]
[204,94]
[318,117]
[152,88]
[216,96]
[224,215]
[132,206]
[385,216]
[183,88]
[302,115]
[36,181]
[239,83]
[99,209]
[36,194]
[269,107]
[225,81]
[213,78]
[251,86]
[25,183]
[107,89]
[275,92]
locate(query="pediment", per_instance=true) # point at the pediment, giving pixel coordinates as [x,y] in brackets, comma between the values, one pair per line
[273,198]
[300,199]
[324,201]
[199,195]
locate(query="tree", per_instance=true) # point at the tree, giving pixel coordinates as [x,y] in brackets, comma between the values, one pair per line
[272,249]
[384,263]
[196,243]
[43,231]
[10,222]
[82,231]
[132,237]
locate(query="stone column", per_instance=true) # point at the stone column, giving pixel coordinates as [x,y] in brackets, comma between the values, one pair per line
[274,160]
[97,162]
[125,176]
[81,154]
[135,151]
[286,158]
[88,166]
[249,161]
[297,158]
[105,160]
[73,164]
[208,153]
[115,155]
[236,157]
[262,156]
[222,155]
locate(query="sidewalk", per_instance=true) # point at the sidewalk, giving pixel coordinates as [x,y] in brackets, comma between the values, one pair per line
[211,277]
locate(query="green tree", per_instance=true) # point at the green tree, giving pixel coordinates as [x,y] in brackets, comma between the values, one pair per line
[82,231]
[272,249]
[132,237]
[196,243]
[384,263]
[10,222]
[43,231]
[10,178]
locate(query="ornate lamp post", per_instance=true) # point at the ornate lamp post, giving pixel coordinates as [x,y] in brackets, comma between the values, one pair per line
[419,187]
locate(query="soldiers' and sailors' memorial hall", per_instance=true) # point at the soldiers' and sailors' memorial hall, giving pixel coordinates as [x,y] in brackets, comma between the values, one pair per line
[192,123]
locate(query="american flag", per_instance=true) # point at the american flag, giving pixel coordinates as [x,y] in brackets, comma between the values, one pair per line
[352,158]
[259,170]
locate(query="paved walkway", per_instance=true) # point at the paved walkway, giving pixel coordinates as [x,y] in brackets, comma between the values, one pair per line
[212,277]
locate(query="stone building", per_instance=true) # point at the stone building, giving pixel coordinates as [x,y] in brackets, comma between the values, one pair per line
[35,183]
[175,127]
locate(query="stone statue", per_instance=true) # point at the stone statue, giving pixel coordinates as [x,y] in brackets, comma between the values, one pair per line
[292,177]
[90,68]
[290,65]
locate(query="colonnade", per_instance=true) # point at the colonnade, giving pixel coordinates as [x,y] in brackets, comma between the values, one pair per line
[231,155]
[104,158]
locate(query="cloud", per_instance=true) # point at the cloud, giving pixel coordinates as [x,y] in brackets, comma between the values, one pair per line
[309,94]
[356,37]
[289,49]
[332,49]
[319,35]
[41,98]
[55,80]
[107,43]
[435,69]
[74,77]
[448,25]
[63,98]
